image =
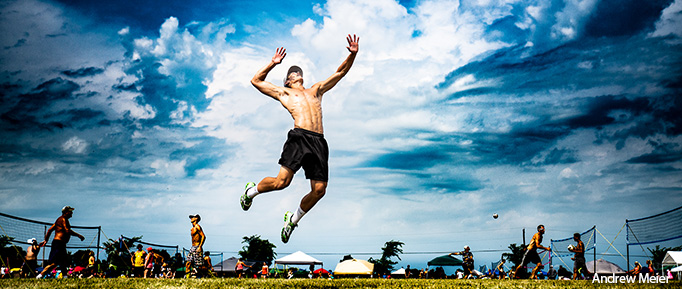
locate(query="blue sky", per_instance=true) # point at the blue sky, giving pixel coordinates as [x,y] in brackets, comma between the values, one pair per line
[564,113]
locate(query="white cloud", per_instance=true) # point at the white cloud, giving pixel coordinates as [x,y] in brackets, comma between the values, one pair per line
[670,21]
[75,145]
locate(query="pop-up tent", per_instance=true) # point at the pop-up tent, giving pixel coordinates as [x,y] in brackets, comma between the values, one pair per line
[672,259]
[604,267]
[445,260]
[228,265]
[298,258]
[354,267]
[400,271]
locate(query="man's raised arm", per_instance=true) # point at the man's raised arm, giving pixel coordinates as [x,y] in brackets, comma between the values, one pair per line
[352,47]
[263,86]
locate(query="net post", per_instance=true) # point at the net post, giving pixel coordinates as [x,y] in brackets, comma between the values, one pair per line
[99,231]
[627,242]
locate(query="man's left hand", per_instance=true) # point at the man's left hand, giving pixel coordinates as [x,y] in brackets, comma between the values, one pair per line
[352,43]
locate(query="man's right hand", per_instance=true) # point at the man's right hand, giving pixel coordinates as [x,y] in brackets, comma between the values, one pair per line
[279,55]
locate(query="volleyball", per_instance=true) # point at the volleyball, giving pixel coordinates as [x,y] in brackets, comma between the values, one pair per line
[570,247]
[495,216]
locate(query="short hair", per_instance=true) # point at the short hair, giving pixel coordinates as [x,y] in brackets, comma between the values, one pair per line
[540,226]
[576,235]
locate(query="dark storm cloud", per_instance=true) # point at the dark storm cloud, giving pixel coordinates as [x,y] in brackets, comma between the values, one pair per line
[82,72]
[663,153]
[420,158]
[624,17]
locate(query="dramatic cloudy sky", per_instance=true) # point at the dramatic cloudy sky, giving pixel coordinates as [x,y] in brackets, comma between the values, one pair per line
[139,113]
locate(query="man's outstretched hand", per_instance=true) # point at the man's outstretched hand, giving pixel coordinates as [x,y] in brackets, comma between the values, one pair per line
[279,55]
[353,43]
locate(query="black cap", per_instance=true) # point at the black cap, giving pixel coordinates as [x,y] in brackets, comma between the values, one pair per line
[292,69]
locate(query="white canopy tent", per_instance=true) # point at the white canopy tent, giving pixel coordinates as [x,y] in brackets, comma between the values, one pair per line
[298,258]
[400,271]
[672,258]
[354,267]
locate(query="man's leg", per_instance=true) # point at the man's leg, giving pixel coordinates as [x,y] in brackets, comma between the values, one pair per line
[317,191]
[538,266]
[268,184]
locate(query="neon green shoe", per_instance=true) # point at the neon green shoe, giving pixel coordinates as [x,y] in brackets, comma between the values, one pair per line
[245,200]
[288,227]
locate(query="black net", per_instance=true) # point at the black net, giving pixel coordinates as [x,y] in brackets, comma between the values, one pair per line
[560,247]
[21,230]
[657,228]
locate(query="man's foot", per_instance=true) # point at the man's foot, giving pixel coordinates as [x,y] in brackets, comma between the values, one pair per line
[288,227]
[245,200]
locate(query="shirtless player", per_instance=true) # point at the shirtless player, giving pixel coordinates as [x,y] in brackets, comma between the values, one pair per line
[305,146]
[62,235]
[531,255]
[195,256]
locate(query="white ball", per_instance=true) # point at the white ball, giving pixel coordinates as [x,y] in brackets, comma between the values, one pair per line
[570,247]
[495,216]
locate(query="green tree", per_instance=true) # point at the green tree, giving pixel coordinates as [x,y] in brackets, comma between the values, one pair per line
[385,264]
[257,249]
[11,253]
[516,254]
[119,252]
[658,253]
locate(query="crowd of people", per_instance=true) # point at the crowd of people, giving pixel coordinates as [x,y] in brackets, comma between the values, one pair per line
[152,263]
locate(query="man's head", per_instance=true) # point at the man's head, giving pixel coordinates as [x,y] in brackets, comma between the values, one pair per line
[207,253]
[466,248]
[195,217]
[67,211]
[150,249]
[139,247]
[541,229]
[576,236]
[32,241]
[295,73]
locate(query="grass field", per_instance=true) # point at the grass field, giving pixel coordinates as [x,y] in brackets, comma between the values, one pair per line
[315,283]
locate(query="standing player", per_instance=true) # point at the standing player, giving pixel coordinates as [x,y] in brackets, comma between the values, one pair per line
[31,261]
[468,261]
[531,254]
[305,146]
[579,266]
[62,235]
[137,259]
[195,257]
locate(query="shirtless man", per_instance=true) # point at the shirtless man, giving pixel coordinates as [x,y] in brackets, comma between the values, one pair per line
[62,235]
[31,262]
[305,146]
[531,254]
[579,266]
[195,257]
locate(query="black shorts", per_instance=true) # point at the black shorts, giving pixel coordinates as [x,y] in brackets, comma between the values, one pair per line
[531,256]
[58,254]
[309,150]
[579,265]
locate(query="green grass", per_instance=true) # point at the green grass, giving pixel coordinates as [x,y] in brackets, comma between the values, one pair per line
[316,283]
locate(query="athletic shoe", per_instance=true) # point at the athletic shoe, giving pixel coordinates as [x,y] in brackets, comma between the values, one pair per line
[245,200]
[288,227]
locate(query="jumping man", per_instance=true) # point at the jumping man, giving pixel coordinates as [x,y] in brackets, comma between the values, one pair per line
[305,146]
